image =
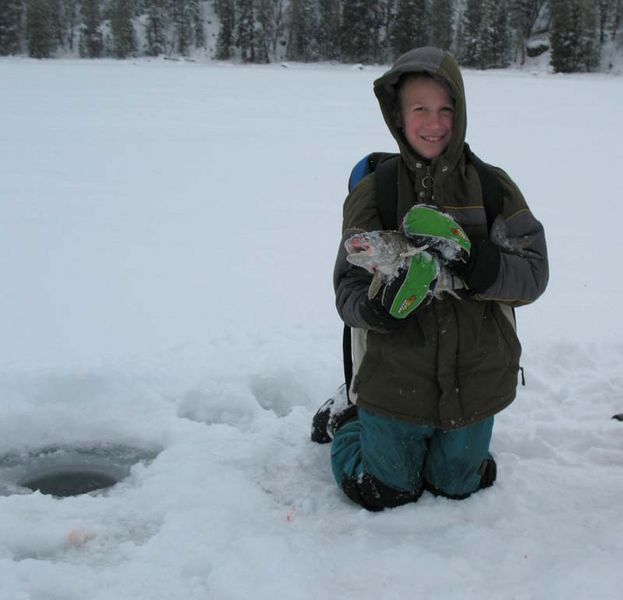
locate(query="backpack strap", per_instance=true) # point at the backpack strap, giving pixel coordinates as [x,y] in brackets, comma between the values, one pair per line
[386,190]
[492,192]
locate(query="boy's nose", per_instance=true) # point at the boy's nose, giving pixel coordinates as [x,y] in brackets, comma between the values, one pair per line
[433,121]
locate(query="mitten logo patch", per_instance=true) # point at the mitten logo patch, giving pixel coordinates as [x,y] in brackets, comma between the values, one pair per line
[458,233]
[407,303]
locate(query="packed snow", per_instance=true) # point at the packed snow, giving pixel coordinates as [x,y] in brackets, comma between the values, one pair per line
[168,237]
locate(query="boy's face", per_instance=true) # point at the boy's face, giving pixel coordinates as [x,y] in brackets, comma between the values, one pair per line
[427,113]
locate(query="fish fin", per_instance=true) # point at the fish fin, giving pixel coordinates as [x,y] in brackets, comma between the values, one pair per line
[375,285]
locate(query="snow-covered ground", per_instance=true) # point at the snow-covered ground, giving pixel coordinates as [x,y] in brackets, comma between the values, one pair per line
[167,240]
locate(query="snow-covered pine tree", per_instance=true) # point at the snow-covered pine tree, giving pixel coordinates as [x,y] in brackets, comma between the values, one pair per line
[441,23]
[91,37]
[39,28]
[11,15]
[56,16]
[360,27]
[573,36]
[199,33]
[303,38]
[180,14]
[609,17]
[590,49]
[69,21]
[155,27]
[495,47]
[225,11]
[469,43]
[245,30]
[485,39]
[328,29]
[617,18]
[410,26]
[265,26]
[122,29]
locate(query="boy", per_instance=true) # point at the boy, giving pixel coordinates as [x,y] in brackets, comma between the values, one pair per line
[430,374]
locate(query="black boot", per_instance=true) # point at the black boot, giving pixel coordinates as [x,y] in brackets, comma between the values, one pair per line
[332,415]
[488,473]
[374,495]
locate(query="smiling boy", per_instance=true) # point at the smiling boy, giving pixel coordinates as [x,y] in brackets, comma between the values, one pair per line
[428,381]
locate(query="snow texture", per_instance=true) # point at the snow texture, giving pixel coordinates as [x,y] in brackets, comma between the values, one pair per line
[168,237]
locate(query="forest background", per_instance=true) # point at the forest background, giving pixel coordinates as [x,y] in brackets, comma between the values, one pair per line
[568,35]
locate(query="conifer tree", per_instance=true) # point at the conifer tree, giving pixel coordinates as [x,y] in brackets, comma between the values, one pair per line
[245,30]
[122,29]
[155,28]
[197,23]
[225,41]
[265,27]
[495,48]
[11,15]
[39,28]
[181,18]
[328,29]
[484,42]
[617,18]
[471,25]
[303,41]
[56,18]
[69,21]
[360,27]
[410,28]
[441,20]
[573,36]
[607,13]
[91,37]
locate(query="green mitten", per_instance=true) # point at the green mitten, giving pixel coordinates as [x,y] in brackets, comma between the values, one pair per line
[406,292]
[443,235]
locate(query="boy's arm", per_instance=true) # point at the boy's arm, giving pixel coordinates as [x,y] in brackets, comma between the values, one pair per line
[511,266]
[351,283]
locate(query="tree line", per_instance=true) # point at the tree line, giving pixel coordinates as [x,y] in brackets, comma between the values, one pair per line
[481,33]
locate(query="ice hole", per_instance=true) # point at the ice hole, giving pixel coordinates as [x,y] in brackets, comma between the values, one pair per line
[63,472]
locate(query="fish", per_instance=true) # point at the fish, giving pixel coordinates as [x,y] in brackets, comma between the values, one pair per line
[382,253]
[385,253]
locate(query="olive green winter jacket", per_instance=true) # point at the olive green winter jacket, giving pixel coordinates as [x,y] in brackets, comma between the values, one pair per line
[455,360]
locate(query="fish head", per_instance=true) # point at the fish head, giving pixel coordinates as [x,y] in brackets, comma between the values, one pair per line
[376,250]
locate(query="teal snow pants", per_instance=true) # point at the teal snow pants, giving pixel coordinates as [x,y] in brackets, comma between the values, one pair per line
[382,462]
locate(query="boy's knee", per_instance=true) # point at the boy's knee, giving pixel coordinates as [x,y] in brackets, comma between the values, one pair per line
[371,493]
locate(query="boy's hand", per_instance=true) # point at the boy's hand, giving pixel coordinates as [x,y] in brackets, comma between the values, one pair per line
[426,225]
[406,292]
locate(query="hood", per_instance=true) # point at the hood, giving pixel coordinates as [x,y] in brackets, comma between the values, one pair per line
[440,64]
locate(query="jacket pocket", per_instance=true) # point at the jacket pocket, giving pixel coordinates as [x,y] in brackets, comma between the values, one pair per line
[507,334]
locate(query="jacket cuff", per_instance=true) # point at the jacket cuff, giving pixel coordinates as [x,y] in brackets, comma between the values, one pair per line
[482,268]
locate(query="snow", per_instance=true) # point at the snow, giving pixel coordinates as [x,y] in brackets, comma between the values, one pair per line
[168,237]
